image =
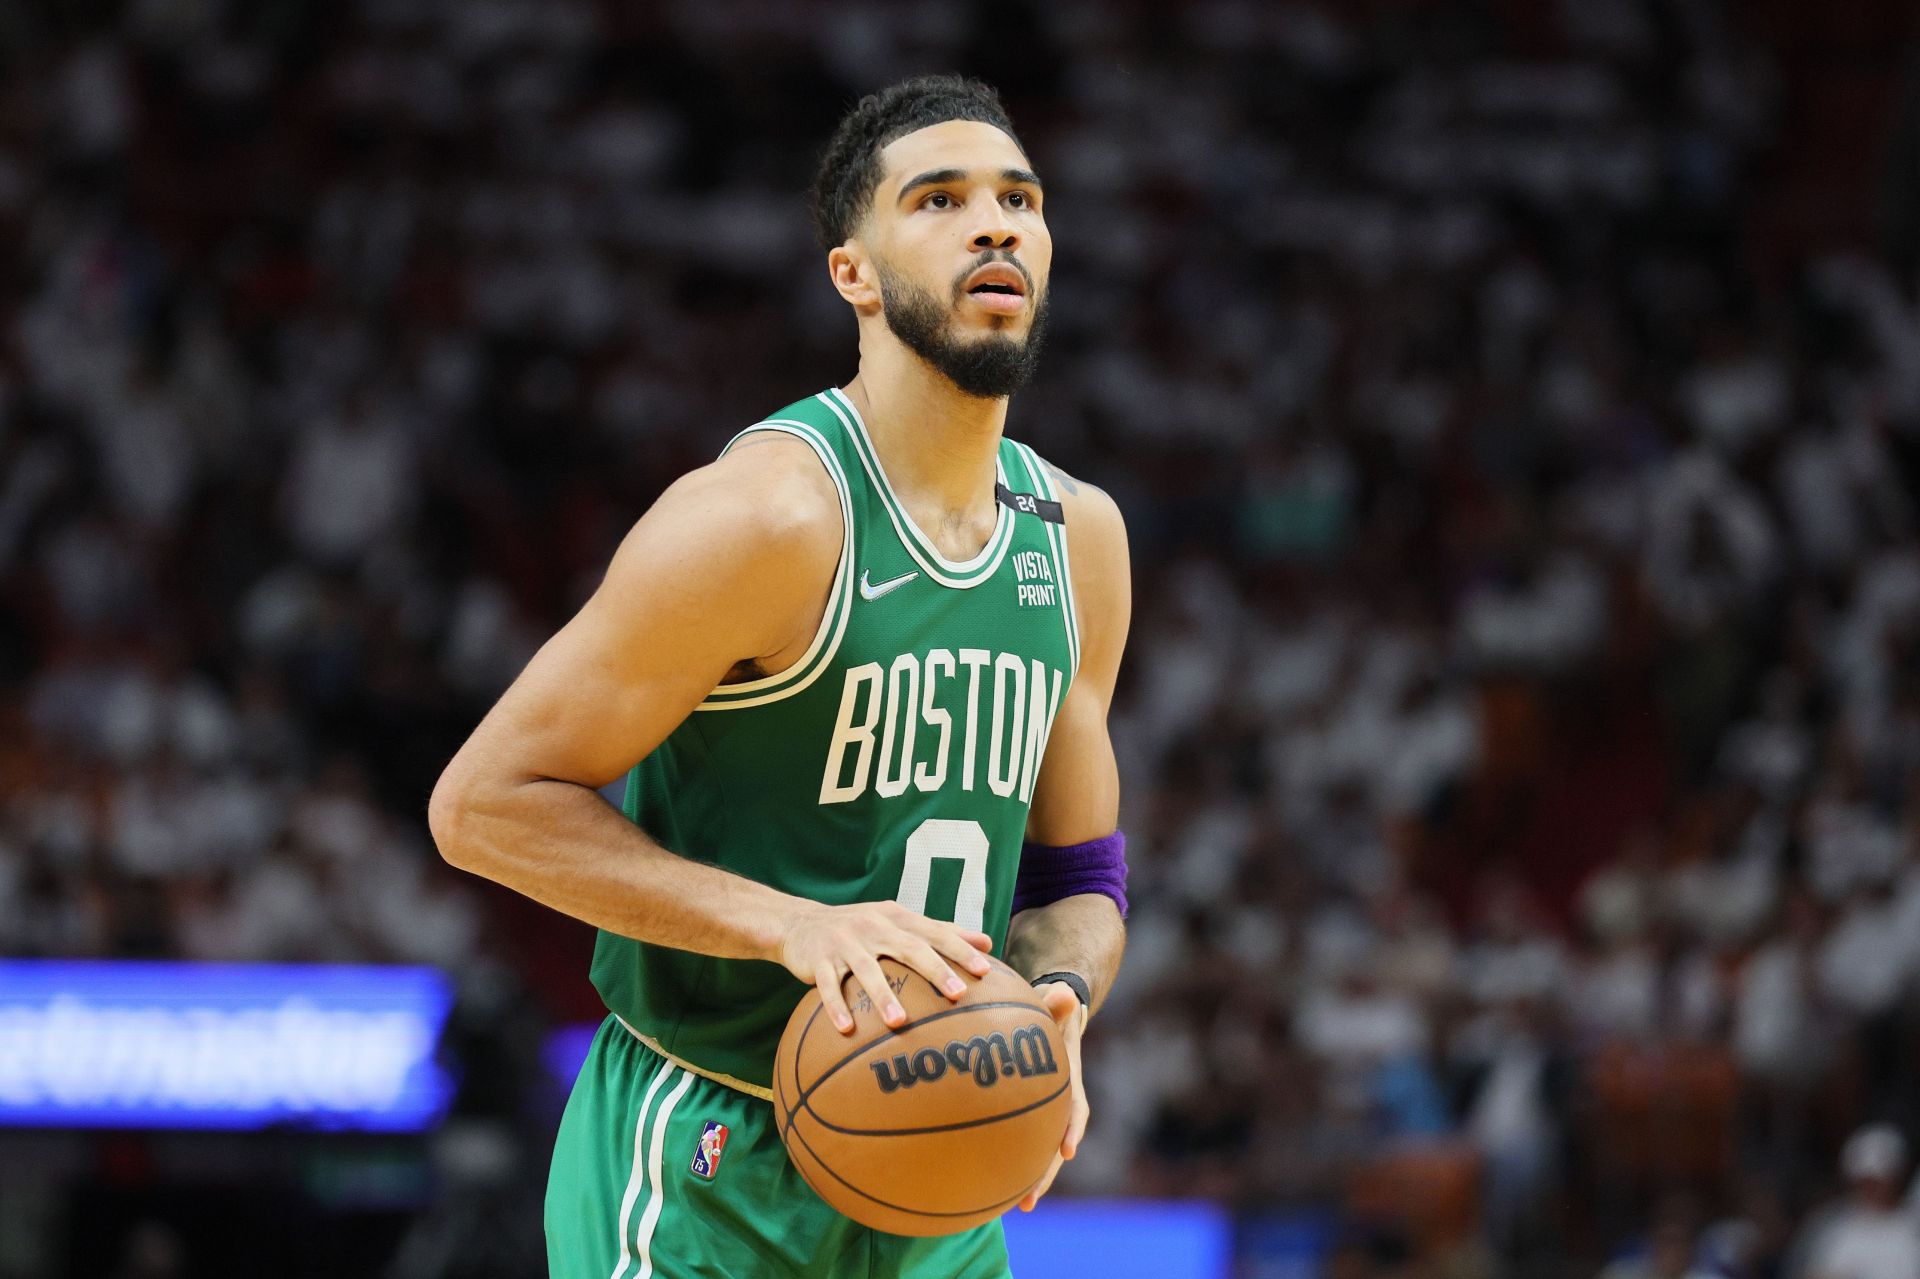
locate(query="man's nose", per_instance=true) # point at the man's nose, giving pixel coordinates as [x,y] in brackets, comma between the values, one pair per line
[995,231]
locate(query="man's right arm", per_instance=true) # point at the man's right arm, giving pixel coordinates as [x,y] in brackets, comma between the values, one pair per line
[733,562]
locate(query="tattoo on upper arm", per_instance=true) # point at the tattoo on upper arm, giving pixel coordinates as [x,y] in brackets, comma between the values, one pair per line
[1067,482]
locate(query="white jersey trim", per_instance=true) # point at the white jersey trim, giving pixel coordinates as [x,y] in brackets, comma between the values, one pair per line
[953,573]
[1057,538]
[833,623]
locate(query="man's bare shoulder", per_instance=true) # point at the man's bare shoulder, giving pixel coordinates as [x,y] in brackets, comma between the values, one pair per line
[760,524]
[1093,517]
[769,492]
[1102,573]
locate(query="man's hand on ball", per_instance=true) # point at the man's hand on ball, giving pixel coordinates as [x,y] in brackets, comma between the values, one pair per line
[1071,1015]
[825,943]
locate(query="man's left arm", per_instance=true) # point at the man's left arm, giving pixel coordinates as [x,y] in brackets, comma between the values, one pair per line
[1076,799]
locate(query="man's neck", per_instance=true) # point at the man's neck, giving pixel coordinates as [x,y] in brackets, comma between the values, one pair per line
[938,445]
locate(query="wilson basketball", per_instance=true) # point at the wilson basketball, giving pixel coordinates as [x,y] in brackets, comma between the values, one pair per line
[934,1128]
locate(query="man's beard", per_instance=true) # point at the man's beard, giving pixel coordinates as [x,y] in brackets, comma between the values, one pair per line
[987,367]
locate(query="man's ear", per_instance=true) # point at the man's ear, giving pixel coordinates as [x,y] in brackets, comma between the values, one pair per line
[854,277]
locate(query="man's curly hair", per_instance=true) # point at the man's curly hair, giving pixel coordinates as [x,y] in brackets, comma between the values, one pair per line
[849,172]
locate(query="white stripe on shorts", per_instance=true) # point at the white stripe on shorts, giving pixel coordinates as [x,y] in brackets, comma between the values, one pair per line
[651,1217]
[633,1182]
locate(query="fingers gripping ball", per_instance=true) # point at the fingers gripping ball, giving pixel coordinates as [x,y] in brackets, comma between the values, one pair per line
[934,1128]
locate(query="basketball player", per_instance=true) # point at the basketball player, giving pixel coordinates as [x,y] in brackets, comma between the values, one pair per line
[865,658]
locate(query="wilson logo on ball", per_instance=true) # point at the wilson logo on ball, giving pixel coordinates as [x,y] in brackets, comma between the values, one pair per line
[988,1058]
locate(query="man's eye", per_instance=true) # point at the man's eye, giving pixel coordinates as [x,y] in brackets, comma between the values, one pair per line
[1020,199]
[942,197]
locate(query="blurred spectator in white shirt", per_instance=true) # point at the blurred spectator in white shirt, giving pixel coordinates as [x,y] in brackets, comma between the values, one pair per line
[1870,1236]
[351,479]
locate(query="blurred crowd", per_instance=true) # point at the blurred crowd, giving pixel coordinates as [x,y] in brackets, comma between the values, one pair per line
[1521,723]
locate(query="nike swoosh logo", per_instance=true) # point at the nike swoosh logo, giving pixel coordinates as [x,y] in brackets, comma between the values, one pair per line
[869,591]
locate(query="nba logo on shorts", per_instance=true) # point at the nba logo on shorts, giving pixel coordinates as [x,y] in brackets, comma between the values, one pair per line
[713,1140]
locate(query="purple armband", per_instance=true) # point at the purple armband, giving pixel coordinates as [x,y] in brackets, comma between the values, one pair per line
[1049,873]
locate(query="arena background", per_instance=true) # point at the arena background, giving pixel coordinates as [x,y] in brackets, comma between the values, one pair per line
[1515,406]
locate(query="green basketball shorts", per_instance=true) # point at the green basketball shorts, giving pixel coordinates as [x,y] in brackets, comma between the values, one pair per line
[659,1173]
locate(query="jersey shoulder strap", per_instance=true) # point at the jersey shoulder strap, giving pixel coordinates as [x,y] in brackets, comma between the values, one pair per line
[803,420]
[1051,512]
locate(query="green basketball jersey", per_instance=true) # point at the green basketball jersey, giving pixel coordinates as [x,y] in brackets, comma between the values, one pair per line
[895,760]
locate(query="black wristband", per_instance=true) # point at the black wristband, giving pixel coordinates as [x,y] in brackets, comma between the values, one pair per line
[1072,981]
